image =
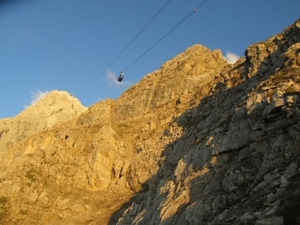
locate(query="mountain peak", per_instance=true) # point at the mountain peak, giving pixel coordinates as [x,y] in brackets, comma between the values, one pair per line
[190,143]
[177,80]
[56,98]
[55,107]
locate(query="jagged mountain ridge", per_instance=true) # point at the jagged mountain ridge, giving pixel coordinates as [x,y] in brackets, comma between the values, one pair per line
[189,144]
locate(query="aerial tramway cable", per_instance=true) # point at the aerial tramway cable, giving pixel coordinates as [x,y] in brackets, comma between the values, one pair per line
[124,49]
[159,40]
[166,34]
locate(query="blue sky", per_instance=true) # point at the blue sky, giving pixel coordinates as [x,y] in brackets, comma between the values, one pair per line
[68,44]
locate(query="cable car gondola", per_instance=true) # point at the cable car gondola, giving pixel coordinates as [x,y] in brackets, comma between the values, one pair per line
[120,78]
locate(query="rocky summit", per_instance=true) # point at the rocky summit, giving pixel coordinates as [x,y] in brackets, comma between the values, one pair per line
[198,141]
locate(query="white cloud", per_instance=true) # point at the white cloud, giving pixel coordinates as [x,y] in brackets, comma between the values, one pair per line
[112,77]
[231,57]
[36,96]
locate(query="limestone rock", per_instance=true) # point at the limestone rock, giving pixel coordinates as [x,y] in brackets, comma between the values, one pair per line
[55,107]
[199,141]
[234,145]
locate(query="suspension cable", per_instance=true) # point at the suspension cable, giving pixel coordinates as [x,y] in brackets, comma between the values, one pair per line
[124,49]
[157,42]
[170,31]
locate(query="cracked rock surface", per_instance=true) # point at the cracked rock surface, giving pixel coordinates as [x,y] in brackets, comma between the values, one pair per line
[198,141]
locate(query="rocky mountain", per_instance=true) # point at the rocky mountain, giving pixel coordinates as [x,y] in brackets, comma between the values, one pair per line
[199,141]
[56,107]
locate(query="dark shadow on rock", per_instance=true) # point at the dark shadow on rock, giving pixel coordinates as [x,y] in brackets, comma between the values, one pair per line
[217,200]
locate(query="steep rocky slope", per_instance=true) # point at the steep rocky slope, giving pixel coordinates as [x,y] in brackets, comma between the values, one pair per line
[198,141]
[234,158]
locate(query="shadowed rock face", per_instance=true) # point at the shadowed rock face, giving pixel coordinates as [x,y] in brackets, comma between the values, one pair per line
[198,141]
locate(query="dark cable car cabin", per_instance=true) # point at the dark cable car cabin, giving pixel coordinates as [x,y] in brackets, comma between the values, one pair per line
[120,78]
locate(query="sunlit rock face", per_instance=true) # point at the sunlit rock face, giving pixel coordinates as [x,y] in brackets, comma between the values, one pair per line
[198,141]
[55,107]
